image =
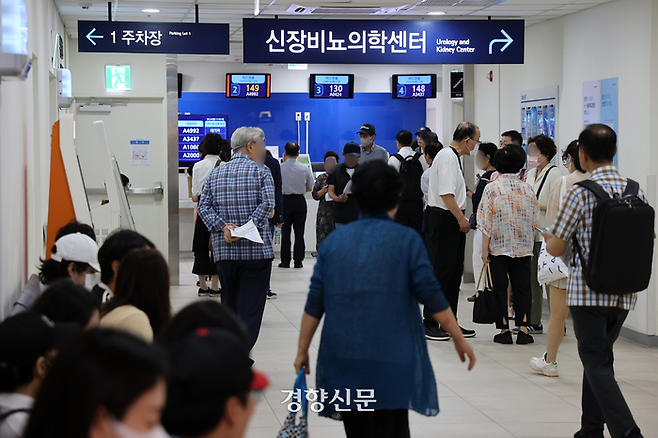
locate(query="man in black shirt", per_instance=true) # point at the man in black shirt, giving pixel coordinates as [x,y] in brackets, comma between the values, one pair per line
[340,182]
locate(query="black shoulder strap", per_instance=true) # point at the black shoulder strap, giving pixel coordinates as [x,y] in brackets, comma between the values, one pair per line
[417,156]
[595,188]
[458,158]
[543,181]
[399,157]
[632,188]
[7,414]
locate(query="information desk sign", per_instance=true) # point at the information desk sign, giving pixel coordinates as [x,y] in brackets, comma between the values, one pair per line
[414,86]
[148,37]
[332,86]
[250,85]
[383,41]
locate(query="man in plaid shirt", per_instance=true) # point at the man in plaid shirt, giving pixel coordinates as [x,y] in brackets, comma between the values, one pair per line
[597,318]
[235,193]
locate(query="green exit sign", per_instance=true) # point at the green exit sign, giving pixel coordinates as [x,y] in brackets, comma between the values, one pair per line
[117,77]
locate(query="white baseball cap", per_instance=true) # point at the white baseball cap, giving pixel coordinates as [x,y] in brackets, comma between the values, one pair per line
[77,247]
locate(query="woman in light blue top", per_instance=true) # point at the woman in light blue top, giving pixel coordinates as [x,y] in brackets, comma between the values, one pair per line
[369,280]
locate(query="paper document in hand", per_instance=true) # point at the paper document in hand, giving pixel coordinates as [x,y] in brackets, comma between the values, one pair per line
[248,231]
[348,188]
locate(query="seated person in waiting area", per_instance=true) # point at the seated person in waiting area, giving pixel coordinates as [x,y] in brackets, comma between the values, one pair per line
[211,385]
[141,303]
[28,345]
[104,384]
[66,301]
[356,347]
[52,269]
[112,251]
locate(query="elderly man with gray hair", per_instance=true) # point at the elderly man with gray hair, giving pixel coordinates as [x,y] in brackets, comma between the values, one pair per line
[240,191]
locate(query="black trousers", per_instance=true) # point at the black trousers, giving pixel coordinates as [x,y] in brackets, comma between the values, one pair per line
[383,423]
[294,216]
[517,270]
[447,246]
[204,263]
[597,329]
[410,214]
[244,290]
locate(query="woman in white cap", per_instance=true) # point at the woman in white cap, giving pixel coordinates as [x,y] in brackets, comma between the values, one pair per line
[73,256]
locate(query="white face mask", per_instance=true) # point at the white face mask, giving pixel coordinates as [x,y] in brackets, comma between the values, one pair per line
[123,431]
[365,142]
[92,280]
[533,162]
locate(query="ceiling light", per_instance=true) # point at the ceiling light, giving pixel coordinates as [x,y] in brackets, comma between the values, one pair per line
[436,13]
[151,11]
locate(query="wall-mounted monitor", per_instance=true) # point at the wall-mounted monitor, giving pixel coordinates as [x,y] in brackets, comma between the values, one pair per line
[251,85]
[414,86]
[332,86]
[191,130]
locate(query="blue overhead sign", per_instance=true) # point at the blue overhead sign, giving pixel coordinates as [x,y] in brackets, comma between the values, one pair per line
[135,37]
[383,41]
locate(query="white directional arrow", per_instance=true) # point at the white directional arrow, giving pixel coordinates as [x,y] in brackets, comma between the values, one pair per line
[508,40]
[90,36]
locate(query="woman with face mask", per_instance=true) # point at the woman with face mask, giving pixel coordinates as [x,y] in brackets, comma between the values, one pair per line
[105,384]
[542,176]
[484,161]
[547,364]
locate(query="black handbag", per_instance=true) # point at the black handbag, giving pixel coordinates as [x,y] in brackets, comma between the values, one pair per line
[485,308]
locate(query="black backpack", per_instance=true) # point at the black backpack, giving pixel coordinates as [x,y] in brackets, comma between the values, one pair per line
[621,249]
[411,172]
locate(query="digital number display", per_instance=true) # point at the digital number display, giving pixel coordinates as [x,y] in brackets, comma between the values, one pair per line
[332,86]
[254,85]
[191,130]
[414,86]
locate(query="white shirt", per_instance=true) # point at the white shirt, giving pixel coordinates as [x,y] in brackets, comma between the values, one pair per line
[404,153]
[446,178]
[200,173]
[14,425]
[425,185]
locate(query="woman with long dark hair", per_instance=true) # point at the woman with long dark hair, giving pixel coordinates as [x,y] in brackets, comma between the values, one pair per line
[213,151]
[104,384]
[141,302]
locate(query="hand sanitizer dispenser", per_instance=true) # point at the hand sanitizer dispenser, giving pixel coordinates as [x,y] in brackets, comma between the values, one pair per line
[14,59]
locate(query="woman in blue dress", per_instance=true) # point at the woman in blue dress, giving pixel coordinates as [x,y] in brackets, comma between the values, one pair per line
[370,278]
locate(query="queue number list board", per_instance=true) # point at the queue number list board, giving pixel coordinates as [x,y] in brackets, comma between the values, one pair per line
[191,130]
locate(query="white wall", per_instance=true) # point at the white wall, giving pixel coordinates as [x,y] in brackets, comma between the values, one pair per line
[142,115]
[26,114]
[611,40]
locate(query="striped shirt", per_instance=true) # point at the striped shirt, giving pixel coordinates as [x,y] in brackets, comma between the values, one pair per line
[509,214]
[575,219]
[239,191]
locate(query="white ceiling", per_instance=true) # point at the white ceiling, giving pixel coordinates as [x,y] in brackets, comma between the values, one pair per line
[233,11]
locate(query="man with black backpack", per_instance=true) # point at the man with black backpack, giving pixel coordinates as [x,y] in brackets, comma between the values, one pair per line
[605,218]
[407,162]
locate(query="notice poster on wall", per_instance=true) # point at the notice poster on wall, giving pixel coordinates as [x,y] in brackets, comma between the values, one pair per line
[609,104]
[140,153]
[591,102]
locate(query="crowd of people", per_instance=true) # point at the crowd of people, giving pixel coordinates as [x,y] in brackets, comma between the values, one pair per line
[82,360]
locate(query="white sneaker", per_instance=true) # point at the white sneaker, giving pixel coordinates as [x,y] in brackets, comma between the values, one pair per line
[539,364]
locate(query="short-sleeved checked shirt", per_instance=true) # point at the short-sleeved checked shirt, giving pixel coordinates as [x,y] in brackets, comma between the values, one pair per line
[575,218]
[509,214]
[234,193]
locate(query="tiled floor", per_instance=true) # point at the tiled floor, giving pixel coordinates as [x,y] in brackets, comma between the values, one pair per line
[500,398]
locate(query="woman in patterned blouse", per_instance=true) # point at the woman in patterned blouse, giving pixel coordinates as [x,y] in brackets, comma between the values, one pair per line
[508,216]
